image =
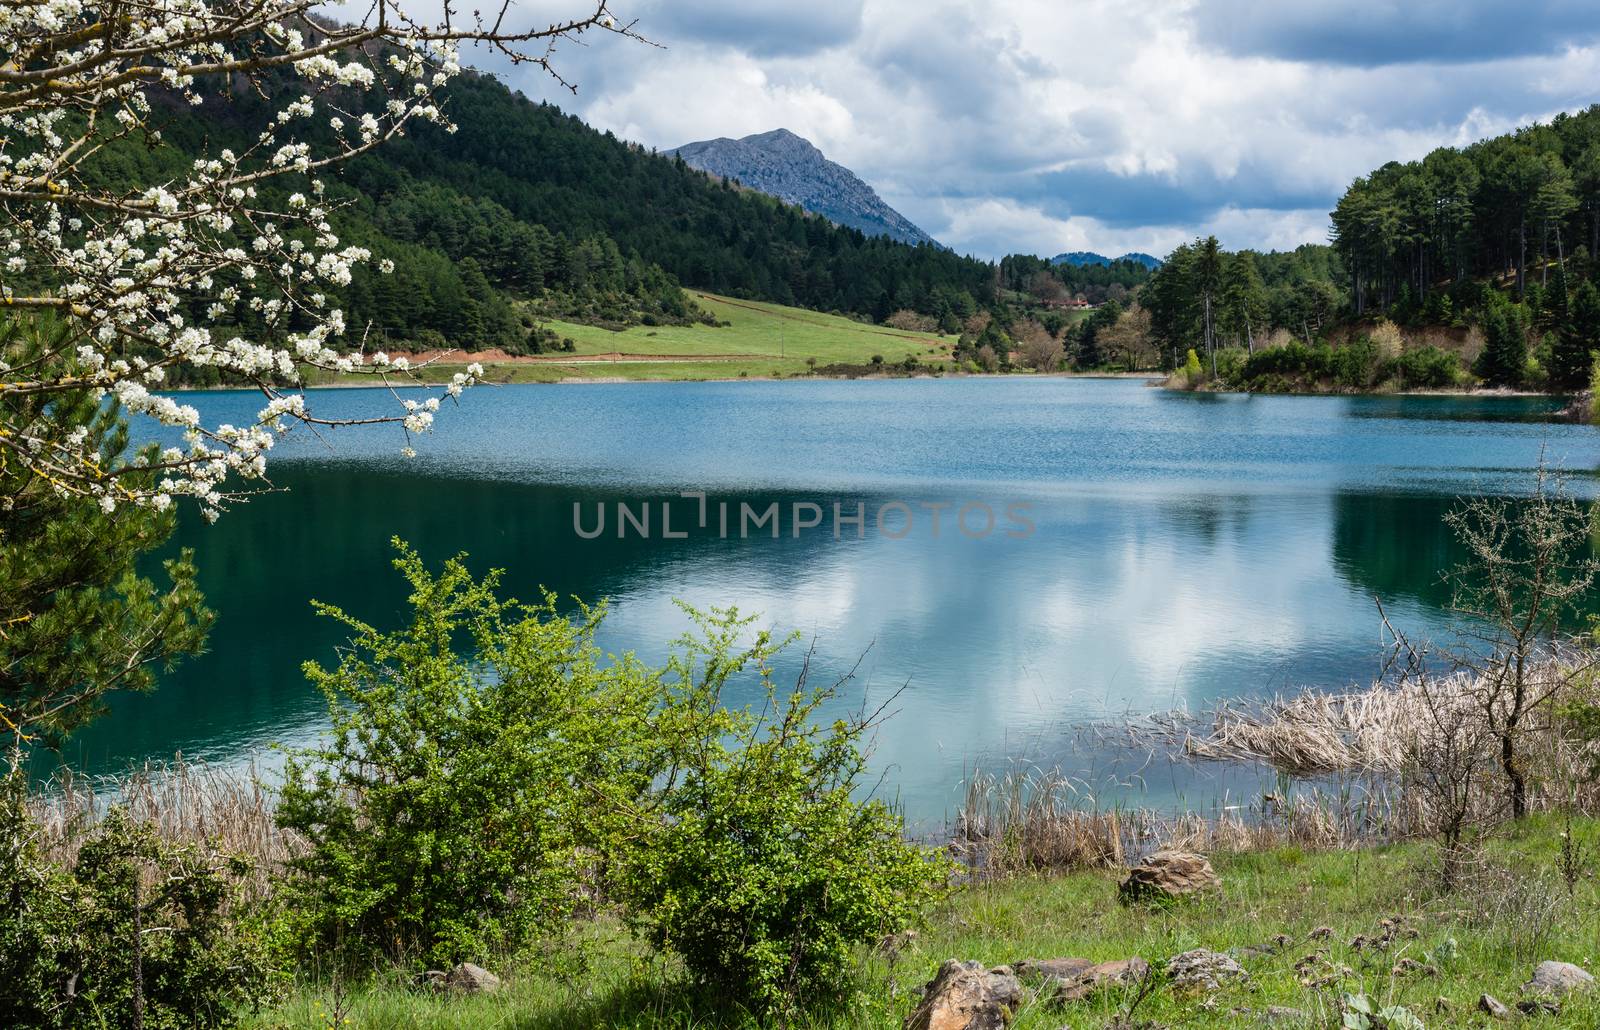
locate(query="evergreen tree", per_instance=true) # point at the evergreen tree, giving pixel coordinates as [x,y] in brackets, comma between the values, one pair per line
[1577,344]
[1505,350]
[77,620]
[1244,299]
[1208,267]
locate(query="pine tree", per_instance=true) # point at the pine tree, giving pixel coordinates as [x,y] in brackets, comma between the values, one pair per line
[77,621]
[1505,350]
[1577,345]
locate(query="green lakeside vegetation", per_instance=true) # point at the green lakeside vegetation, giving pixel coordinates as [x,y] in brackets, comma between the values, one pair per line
[619,846]
[1484,942]
[1474,266]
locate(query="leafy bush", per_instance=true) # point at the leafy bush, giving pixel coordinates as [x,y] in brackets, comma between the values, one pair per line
[1388,339]
[136,931]
[1230,364]
[1425,368]
[464,806]
[1354,366]
[763,870]
[454,808]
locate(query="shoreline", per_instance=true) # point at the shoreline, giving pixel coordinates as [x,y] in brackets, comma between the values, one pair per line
[1151,379]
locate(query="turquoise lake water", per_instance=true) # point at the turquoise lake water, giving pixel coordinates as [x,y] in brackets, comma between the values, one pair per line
[1149,549]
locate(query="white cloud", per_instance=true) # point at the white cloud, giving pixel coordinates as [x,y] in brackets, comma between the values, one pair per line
[1102,124]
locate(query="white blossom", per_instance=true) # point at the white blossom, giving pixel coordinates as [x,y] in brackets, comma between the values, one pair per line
[133,265]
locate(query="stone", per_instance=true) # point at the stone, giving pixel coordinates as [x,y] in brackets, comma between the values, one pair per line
[1493,1007]
[1558,978]
[472,979]
[1282,1015]
[1122,972]
[1052,968]
[966,996]
[1202,970]
[1167,875]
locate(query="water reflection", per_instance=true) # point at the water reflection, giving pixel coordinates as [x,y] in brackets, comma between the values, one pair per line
[1183,552]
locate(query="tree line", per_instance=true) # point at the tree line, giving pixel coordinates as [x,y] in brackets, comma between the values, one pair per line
[1527,201]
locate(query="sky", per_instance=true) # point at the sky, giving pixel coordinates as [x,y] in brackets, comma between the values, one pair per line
[1043,126]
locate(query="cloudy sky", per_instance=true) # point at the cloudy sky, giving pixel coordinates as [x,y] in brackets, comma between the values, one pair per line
[1112,125]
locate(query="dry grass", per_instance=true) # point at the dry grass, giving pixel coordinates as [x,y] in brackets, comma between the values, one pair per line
[229,808]
[1348,762]
[1045,822]
[1374,732]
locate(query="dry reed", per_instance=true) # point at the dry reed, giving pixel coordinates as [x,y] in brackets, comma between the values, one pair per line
[230,808]
[1347,761]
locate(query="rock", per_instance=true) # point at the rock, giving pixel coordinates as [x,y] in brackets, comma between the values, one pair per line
[1539,1007]
[1558,978]
[1493,1007]
[1202,970]
[966,996]
[1100,975]
[1052,968]
[1279,1015]
[471,979]
[1167,875]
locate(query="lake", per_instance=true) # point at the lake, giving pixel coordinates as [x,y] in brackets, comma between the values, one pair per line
[1148,550]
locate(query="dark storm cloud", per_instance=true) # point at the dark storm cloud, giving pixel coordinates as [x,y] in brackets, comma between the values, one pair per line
[1369,33]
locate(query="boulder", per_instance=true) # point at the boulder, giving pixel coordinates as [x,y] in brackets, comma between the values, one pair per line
[1122,972]
[471,979]
[1202,970]
[966,996]
[1167,875]
[1493,1007]
[1051,968]
[1557,978]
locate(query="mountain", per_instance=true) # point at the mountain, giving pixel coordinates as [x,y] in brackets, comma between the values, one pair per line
[788,167]
[1080,258]
[527,214]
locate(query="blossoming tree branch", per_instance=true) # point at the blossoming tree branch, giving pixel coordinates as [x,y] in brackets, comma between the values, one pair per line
[223,266]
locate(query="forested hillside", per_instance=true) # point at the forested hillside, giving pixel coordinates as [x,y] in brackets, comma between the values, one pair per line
[1472,265]
[1501,235]
[526,204]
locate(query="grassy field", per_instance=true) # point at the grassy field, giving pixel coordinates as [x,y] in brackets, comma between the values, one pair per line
[761,341]
[1484,938]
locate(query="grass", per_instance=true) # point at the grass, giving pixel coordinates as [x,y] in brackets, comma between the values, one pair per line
[1485,938]
[761,341]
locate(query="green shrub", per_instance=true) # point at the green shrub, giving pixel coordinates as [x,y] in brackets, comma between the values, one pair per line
[1425,368]
[1231,363]
[136,931]
[1191,367]
[764,871]
[455,808]
[1594,390]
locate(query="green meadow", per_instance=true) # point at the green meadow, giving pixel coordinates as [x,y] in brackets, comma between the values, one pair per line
[1309,927]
